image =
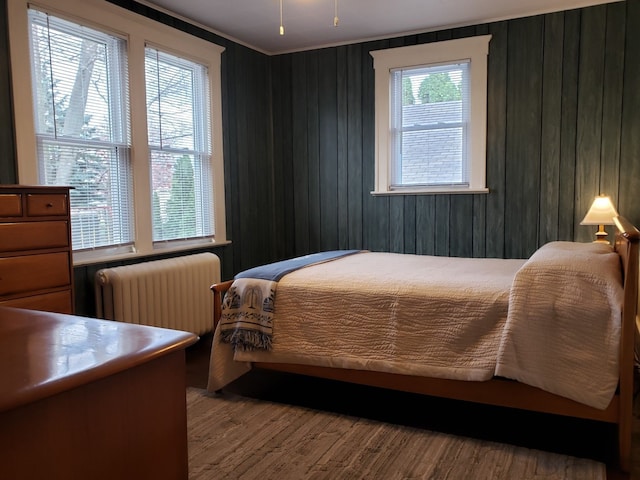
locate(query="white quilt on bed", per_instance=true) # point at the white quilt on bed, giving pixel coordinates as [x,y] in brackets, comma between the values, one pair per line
[387,312]
[449,317]
[563,329]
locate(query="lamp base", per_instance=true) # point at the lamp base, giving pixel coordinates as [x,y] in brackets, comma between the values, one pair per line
[601,236]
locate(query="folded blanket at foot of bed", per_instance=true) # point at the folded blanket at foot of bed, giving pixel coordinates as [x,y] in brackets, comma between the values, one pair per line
[247,314]
[563,328]
[247,311]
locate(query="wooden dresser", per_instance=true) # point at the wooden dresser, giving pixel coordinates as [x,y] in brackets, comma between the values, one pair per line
[36,266]
[89,399]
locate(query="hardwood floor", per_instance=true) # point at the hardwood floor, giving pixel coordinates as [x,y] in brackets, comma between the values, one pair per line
[582,438]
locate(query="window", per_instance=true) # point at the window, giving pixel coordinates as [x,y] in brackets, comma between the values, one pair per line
[179,146]
[81,122]
[127,112]
[431,117]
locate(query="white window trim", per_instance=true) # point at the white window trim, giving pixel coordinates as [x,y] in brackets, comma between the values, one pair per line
[138,30]
[474,49]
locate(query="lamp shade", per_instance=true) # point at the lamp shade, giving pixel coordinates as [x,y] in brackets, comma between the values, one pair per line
[601,212]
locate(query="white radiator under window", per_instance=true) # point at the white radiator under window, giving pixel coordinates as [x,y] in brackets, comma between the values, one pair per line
[171,293]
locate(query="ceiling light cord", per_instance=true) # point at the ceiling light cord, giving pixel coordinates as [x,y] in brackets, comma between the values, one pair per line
[281,24]
[336,20]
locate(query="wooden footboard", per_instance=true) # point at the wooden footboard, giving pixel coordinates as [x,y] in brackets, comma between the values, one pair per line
[509,393]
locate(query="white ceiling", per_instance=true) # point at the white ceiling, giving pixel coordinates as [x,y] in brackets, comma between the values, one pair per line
[309,23]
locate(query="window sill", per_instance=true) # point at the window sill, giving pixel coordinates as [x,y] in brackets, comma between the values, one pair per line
[430,191]
[80,260]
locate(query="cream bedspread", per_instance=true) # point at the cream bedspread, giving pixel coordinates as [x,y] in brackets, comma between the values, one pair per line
[398,313]
[552,321]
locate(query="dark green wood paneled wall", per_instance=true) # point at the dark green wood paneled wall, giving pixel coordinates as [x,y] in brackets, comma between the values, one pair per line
[563,124]
[563,103]
[8,172]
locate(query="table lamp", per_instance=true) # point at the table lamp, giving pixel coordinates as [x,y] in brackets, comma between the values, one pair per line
[601,213]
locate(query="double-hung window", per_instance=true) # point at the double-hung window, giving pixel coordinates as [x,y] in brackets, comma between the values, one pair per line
[431,117]
[179,146]
[82,130]
[126,111]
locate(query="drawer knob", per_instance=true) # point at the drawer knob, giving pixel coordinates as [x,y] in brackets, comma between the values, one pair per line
[49,205]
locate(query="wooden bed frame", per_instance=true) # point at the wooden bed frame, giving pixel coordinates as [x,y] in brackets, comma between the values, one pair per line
[510,393]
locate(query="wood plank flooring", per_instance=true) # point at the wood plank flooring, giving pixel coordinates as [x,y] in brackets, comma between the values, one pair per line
[581,438]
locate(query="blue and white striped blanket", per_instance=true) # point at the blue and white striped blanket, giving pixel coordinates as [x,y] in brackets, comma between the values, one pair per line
[248,307]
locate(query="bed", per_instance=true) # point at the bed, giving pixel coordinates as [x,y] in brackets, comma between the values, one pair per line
[554,333]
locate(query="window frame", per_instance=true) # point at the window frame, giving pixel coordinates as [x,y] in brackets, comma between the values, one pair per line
[475,50]
[200,151]
[139,31]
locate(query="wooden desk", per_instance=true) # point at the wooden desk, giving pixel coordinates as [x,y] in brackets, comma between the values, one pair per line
[82,398]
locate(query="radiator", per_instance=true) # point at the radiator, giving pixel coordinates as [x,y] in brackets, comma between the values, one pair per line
[172,293]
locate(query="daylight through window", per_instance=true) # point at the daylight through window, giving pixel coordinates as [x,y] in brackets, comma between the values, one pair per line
[431,117]
[179,145]
[127,112]
[82,130]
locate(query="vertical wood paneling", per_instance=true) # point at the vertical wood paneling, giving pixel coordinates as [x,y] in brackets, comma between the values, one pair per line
[409,226]
[442,224]
[524,89]
[254,158]
[282,146]
[229,141]
[461,226]
[589,120]
[479,248]
[628,203]
[300,158]
[396,224]
[426,224]
[496,138]
[612,100]
[313,152]
[8,170]
[246,175]
[550,135]
[328,147]
[342,149]
[570,76]
[354,146]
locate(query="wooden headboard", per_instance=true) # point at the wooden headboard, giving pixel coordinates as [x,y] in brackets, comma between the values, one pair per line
[626,245]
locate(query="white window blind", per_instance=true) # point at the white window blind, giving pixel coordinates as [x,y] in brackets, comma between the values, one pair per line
[81,113]
[178,120]
[429,124]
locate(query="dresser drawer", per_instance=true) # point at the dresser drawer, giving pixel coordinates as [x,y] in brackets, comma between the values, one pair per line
[10,205]
[60,302]
[41,204]
[33,235]
[30,273]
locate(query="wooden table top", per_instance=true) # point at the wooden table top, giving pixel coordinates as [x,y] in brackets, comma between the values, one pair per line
[43,353]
